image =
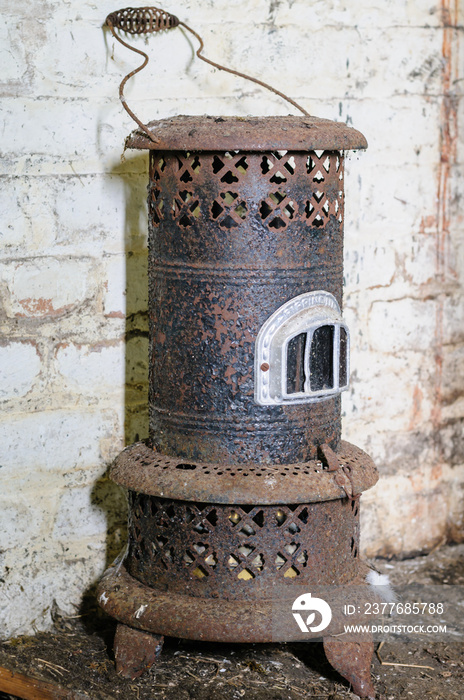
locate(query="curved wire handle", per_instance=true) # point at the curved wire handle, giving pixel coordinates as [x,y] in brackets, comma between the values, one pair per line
[145,20]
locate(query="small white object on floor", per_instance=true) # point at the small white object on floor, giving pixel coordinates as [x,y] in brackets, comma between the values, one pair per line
[380,584]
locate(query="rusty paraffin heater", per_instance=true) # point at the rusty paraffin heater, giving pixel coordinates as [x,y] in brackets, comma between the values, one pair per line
[244,492]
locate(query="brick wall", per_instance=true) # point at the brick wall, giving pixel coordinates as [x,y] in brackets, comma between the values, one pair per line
[73,345]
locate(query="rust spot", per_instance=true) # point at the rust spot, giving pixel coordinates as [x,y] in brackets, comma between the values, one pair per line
[40,307]
[428,224]
[437,472]
[416,412]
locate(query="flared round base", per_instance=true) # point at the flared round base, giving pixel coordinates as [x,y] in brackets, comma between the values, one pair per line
[171,614]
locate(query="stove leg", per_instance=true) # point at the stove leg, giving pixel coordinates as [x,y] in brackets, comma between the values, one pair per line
[135,651]
[352,660]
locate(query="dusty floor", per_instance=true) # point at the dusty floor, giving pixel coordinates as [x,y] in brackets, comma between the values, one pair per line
[77,655]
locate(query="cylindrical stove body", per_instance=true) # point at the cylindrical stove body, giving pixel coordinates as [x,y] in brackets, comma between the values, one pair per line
[233,236]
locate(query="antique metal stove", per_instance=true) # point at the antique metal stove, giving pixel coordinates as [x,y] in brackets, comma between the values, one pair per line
[244,491]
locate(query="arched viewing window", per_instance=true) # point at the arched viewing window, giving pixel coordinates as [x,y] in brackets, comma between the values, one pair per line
[302,352]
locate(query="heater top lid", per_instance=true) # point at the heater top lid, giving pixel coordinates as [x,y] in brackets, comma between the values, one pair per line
[206,133]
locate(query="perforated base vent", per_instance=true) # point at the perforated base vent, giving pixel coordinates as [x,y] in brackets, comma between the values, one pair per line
[240,551]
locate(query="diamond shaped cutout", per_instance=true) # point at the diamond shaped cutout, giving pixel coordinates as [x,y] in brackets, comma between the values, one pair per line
[278,178]
[290,165]
[266,165]
[289,210]
[264,210]
[186,176]
[216,209]
[229,197]
[212,517]
[291,548]
[241,165]
[277,222]
[189,558]
[211,560]
[200,572]
[189,515]
[233,562]
[234,518]
[246,550]
[277,197]
[302,558]
[247,530]
[171,512]
[229,177]
[228,222]
[246,575]
[241,210]
[303,515]
[217,164]
[199,547]
[292,572]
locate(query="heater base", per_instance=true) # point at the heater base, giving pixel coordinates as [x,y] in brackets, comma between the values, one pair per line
[215,619]
[136,651]
[145,615]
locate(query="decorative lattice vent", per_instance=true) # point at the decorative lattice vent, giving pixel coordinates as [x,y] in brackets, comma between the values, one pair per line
[210,546]
[321,196]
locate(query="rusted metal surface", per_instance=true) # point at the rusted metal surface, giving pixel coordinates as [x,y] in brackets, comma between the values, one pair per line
[233,500]
[353,661]
[264,619]
[207,133]
[214,550]
[142,469]
[141,20]
[135,651]
[232,237]
[342,470]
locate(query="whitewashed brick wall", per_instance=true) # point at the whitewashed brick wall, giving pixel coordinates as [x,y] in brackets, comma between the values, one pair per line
[73,322]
